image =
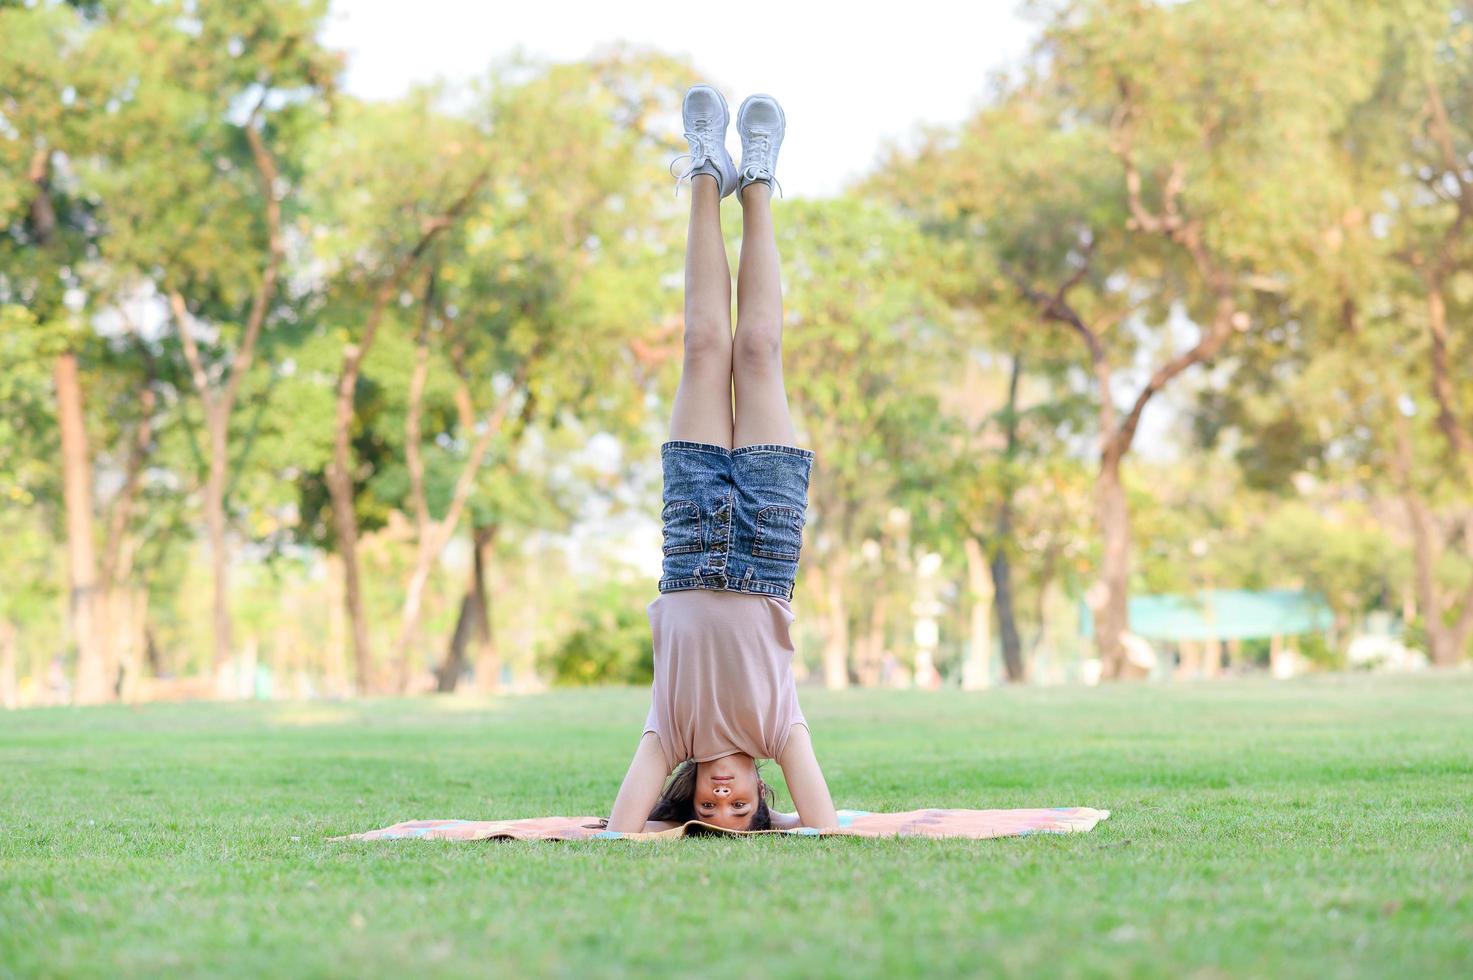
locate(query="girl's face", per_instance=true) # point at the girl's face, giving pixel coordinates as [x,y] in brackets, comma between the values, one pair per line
[726,792]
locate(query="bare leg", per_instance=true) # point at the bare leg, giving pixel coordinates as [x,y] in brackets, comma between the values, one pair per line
[757,361]
[702,411]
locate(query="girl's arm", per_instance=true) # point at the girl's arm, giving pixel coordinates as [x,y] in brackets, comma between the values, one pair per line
[785,821]
[805,781]
[641,787]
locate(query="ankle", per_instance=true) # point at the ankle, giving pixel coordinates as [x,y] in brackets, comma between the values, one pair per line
[759,190]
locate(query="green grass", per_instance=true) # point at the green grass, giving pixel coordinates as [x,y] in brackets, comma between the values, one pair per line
[1309,828]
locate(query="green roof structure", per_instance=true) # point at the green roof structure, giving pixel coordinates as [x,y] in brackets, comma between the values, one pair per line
[1223,614]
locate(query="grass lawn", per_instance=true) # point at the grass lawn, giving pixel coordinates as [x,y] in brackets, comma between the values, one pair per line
[1319,827]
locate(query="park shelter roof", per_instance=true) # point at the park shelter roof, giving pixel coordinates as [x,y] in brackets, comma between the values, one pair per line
[1223,614]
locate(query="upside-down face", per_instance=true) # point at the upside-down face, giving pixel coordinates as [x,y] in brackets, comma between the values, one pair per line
[727,792]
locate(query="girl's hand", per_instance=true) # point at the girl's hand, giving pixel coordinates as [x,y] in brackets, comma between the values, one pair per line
[785,821]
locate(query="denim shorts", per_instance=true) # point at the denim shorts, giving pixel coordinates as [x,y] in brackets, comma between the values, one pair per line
[733,518]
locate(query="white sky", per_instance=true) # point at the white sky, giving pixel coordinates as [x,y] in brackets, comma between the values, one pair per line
[849,76]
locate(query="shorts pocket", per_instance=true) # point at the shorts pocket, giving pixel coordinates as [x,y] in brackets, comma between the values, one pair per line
[779,532]
[682,527]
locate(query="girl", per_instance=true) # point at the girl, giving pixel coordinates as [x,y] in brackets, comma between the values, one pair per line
[735,494]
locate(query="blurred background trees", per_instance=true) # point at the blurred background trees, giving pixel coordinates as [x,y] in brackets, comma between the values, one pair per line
[305,395]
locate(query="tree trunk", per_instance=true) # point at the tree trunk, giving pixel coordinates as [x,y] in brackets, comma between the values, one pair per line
[119,640]
[284,666]
[975,672]
[76,465]
[434,535]
[1429,596]
[133,606]
[219,402]
[488,656]
[334,663]
[9,695]
[345,526]
[340,471]
[214,507]
[869,650]
[450,669]
[152,652]
[114,605]
[836,620]
[250,662]
[1444,645]
[474,622]
[1012,646]
[1007,622]
[414,592]
[1112,617]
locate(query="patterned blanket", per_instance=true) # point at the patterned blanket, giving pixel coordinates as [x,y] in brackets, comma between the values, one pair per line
[976,824]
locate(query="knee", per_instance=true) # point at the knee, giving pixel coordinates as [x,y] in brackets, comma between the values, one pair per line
[707,343]
[757,350]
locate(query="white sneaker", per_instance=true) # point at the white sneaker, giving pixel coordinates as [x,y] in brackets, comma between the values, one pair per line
[705,116]
[760,124]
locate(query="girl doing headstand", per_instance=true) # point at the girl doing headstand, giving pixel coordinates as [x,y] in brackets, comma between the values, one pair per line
[735,494]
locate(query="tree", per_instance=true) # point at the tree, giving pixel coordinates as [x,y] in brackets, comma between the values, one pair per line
[1139,197]
[543,293]
[865,344]
[195,184]
[385,182]
[67,120]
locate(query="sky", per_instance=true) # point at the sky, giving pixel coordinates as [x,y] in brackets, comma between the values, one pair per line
[850,77]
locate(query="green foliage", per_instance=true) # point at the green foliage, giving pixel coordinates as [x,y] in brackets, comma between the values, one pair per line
[609,642]
[864,351]
[1300,137]
[27,436]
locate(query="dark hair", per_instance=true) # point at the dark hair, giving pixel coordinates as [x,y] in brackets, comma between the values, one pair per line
[677,803]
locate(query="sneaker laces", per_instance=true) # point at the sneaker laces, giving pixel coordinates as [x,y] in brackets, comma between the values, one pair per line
[702,151]
[759,143]
[762,173]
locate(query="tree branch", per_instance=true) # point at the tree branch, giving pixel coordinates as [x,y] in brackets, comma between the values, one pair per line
[1210,342]
[1449,419]
[413,459]
[491,428]
[275,252]
[1056,306]
[1171,223]
[139,448]
[354,354]
[191,354]
[1442,135]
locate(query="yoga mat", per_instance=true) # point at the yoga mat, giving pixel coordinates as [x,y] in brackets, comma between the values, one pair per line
[974,824]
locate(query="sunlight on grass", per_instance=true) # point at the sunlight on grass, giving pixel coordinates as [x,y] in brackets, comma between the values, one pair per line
[307,714]
[1309,829]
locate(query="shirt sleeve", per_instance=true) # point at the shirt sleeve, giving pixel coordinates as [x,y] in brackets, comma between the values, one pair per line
[795,717]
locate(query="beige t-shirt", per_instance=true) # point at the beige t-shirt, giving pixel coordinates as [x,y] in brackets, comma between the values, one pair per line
[723,675]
